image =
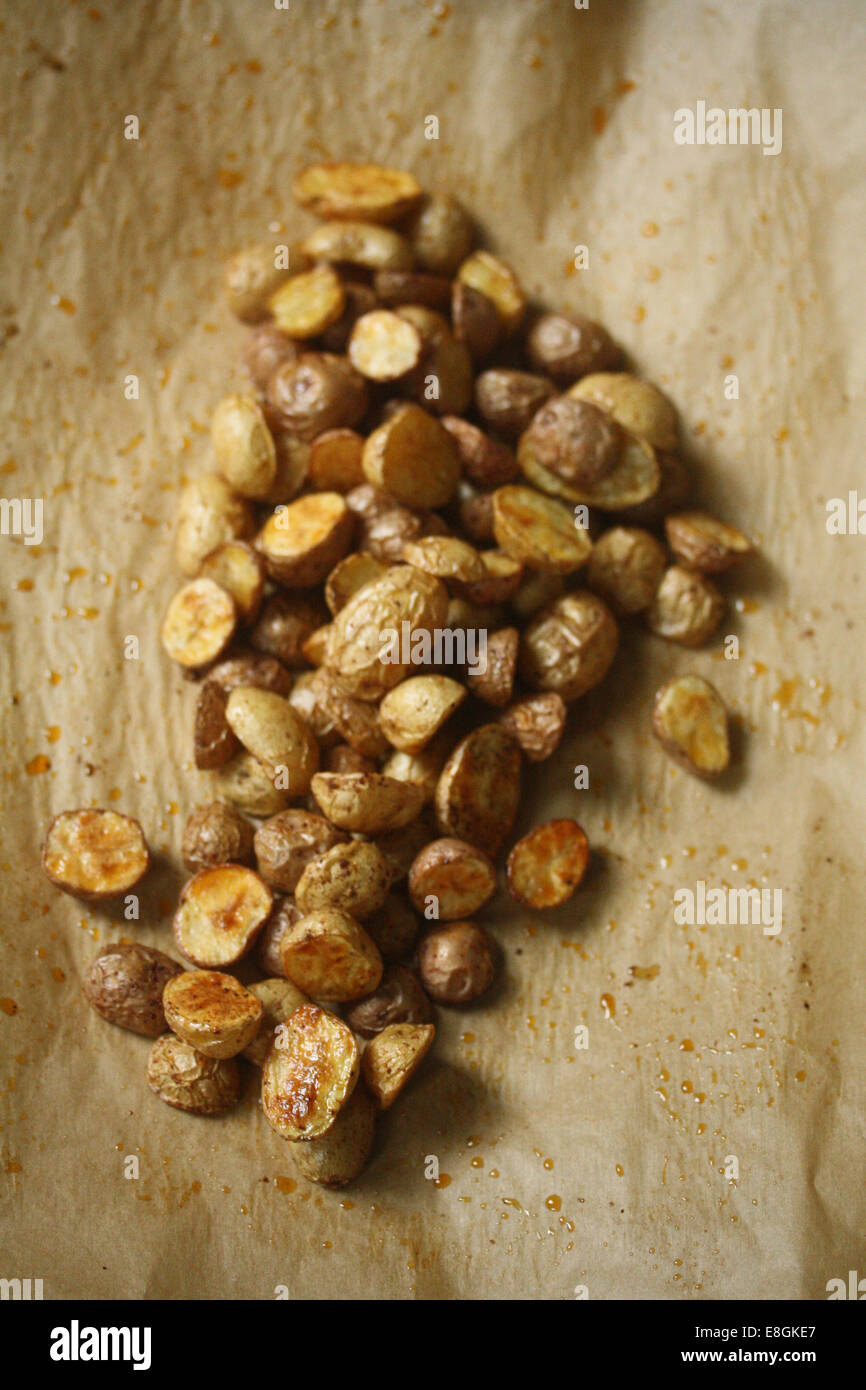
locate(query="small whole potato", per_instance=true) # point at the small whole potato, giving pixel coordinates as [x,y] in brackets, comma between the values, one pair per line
[687,607]
[459,877]
[457,963]
[124,984]
[187,1080]
[216,834]
[211,1011]
[288,842]
[567,346]
[317,392]
[341,1153]
[354,877]
[398,998]
[569,646]
[441,234]
[626,568]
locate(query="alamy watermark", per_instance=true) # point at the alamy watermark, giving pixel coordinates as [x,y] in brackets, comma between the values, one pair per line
[712,125]
[444,646]
[729,907]
[22,516]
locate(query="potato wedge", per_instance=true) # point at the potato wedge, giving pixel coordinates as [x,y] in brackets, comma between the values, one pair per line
[246,784]
[569,646]
[124,985]
[279,999]
[366,244]
[303,541]
[479,790]
[547,865]
[309,1074]
[700,542]
[190,1081]
[354,878]
[494,278]
[329,956]
[94,854]
[220,914]
[367,801]
[687,607]
[288,842]
[199,623]
[236,567]
[383,346]
[413,457]
[691,723]
[459,876]
[538,531]
[272,730]
[305,305]
[367,192]
[392,1058]
[211,1011]
[415,710]
[341,1154]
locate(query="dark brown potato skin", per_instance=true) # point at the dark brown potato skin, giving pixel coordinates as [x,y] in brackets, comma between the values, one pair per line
[266,349]
[317,392]
[508,399]
[124,985]
[568,346]
[251,668]
[457,963]
[214,744]
[269,945]
[287,842]
[284,624]
[216,834]
[398,998]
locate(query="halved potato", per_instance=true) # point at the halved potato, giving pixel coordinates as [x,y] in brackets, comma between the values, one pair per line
[246,784]
[415,710]
[414,458]
[493,680]
[700,542]
[634,478]
[405,602]
[214,744]
[240,570]
[244,446]
[499,581]
[369,192]
[569,646]
[271,729]
[199,624]
[95,854]
[460,876]
[330,957]
[304,540]
[446,557]
[212,1012]
[383,346]
[492,277]
[392,1058]
[638,406]
[305,305]
[279,999]
[334,463]
[354,878]
[349,576]
[309,1073]
[340,1154]
[220,914]
[368,802]
[538,531]
[479,790]
[359,243]
[691,723]
[546,866]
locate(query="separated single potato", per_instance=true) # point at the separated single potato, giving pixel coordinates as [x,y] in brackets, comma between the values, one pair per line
[335,461]
[214,744]
[355,720]
[457,963]
[536,723]
[288,842]
[458,876]
[245,452]
[546,866]
[316,392]
[251,277]
[306,304]
[95,854]
[576,441]
[124,984]
[199,623]
[208,513]
[691,723]
[354,878]
[273,731]
[220,914]
[279,1000]
[359,243]
[216,834]
[567,346]
[446,557]
[413,457]
[392,1058]
[700,542]
[269,945]
[495,683]
[383,346]
[368,643]
[238,569]
[687,607]
[367,801]
[626,567]
[348,577]
[330,957]
[190,1081]
[638,406]
[368,192]
[496,280]
[479,790]
[246,784]
[303,541]
[508,400]
[309,1074]
[212,1012]
[285,624]
[538,531]
[441,234]
[569,646]
[340,1154]
[417,708]
[398,998]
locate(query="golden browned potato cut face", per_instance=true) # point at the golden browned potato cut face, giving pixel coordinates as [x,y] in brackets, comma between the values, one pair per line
[308,1079]
[211,1011]
[366,192]
[221,912]
[95,854]
[691,723]
[547,865]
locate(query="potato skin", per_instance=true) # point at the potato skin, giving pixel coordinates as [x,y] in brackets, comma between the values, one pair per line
[288,842]
[457,963]
[268,948]
[216,834]
[569,646]
[398,998]
[124,985]
[341,1153]
[353,877]
[190,1081]
[459,875]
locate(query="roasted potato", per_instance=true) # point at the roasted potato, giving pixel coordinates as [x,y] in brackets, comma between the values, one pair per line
[569,646]
[457,963]
[391,1059]
[479,790]
[341,1153]
[310,1074]
[124,984]
[354,878]
[691,723]
[220,914]
[289,841]
[547,865]
[398,998]
[216,834]
[94,854]
[212,1012]
[457,876]
[190,1081]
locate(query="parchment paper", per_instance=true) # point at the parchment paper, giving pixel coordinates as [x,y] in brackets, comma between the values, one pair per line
[607,1168]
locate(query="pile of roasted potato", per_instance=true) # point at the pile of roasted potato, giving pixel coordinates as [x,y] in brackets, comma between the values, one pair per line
[427,516]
